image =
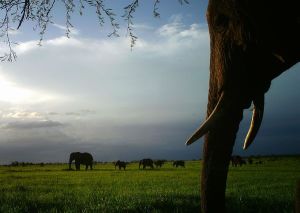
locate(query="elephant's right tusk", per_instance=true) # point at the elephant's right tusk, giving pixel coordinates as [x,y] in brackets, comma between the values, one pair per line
[257,117]
[279,57]
[209,123]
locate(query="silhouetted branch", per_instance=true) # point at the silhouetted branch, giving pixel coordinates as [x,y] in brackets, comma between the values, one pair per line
[156,14]
[183,1]
[13,14]
[128,16]
[24,11]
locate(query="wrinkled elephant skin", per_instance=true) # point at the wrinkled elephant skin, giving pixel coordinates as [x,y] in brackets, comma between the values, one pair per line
[251,42]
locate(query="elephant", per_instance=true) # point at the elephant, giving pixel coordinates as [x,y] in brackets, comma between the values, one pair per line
[159,163]
[251,43]
[237,161]
[179,163]
[146,162]
[250,161]
[120,164]
[81,158]
[259,162]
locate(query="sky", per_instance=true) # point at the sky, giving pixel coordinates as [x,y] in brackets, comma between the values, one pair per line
[91,93]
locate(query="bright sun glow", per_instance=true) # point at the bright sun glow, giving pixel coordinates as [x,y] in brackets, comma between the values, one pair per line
[11,93]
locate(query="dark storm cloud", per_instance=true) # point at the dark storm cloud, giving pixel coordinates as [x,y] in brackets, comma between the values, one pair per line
[157,141]
[31,124]
[37,149]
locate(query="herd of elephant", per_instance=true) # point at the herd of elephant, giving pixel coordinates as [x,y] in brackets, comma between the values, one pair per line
[87,160]
[252,42]
[237,160]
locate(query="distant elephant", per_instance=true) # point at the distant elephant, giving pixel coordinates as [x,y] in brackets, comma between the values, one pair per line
[179,163]
[259,162]
[251,43]
[120,164]
[237,161]
[146,162]
[250,161]
[159,163]
[81,158]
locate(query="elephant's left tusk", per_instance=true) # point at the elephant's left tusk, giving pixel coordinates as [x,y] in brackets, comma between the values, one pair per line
[209,123]
[256,120]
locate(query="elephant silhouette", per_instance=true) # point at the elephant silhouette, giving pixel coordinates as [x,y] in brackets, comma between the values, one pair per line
[237,160]
[159,163]
[251,42]
[179,163]
[81,158]
[120,164]
[147,162]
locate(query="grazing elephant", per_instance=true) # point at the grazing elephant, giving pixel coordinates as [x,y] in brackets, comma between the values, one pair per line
[237,161]
[146,162]
[259,162]
[81,158]
[159,163]
[250,161]
[251,43]
[120,164]
[179,163]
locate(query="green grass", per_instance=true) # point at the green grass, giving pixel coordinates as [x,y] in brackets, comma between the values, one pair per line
[252,188]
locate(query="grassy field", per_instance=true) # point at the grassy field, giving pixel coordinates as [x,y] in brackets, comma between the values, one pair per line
[268,187]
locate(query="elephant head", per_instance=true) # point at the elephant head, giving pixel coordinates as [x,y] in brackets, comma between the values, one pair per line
[251,43]
[74,156]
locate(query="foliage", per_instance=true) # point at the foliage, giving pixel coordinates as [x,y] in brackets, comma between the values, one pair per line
[268,187]
[14,12]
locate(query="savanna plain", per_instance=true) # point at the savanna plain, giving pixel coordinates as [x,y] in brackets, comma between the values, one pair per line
[266,187]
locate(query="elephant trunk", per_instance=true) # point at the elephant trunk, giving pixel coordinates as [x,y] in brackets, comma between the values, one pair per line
[217,152]
[221,126]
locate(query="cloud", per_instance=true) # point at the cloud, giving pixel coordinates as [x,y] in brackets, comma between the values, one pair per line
[159,77]
[19,125]
[73,31]
[13,32]
[155,141]
[142,27]
[27,46]
[12,93]
[83,112]
[136,103]
[172,28]
[22,115]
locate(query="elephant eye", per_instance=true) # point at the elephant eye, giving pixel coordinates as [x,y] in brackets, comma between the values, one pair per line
[221,21]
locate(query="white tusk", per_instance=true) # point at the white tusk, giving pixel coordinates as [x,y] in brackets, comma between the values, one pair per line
[209,123]
[279,57]
[257,116]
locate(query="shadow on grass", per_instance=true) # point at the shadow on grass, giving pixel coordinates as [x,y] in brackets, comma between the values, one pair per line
[178,203]
[191,204]
[258,205]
